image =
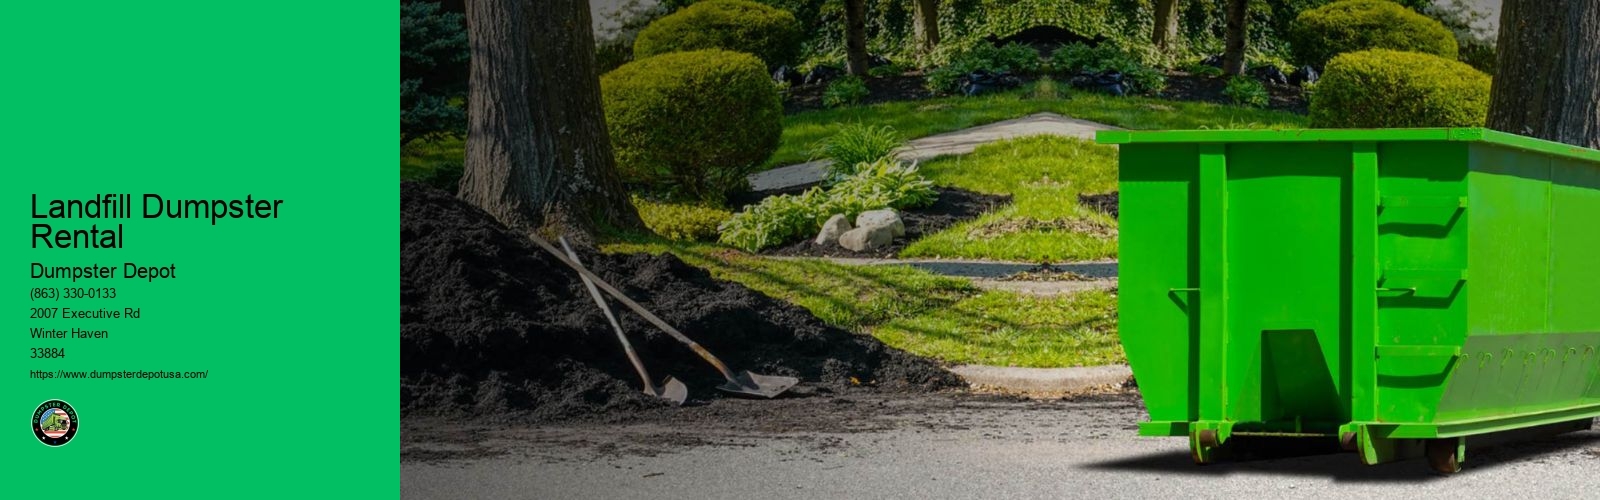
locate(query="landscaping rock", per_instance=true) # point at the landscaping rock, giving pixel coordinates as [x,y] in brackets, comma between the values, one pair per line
[882,218]
[862,239]
[1108,81]
[822,74]
[1269,74]
[1304,75]
[785,74]
[831,230]
[980,81]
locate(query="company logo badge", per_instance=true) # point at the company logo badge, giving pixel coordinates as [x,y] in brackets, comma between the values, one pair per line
[55,422]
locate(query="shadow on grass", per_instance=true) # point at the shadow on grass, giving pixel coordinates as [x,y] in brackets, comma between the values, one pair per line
[1096,270]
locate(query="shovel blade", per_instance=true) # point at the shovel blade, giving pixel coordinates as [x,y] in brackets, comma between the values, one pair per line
[671,390]
[755,385]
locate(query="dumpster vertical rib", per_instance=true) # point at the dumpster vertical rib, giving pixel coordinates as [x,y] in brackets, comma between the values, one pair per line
[1363,384]
[1213,207]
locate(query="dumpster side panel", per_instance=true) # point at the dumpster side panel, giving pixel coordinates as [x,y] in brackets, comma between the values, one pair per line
[1510,254]
[1533,309]
[1287,252]
[1422,252]
[1159,185]
[1575,277]
[1575,246]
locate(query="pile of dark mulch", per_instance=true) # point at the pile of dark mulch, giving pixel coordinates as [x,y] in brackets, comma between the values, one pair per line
[492,327]
[1184,86]
[952,207]
[906,87]
[1105,203]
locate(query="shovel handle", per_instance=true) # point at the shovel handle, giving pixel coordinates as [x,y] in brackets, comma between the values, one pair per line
[611,316]
[634,306]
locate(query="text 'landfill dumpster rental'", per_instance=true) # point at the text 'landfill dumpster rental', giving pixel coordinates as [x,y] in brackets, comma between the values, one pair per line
[120,206]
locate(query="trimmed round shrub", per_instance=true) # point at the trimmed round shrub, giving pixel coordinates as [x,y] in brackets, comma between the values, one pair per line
[692,124]
[680,221]
[771,34]
[1392,89]
[1319,34]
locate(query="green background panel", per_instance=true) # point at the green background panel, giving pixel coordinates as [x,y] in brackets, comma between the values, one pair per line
[295,317]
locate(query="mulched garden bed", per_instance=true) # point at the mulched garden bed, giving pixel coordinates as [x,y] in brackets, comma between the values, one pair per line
[952,207]
[905,87]
[1183,86]
[493,328]
[1105,203]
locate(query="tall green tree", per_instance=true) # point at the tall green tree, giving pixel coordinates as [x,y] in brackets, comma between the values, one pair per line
[1237,29]
[925,25]
[1547,76]
[855,37]
[1166,28]
[433,71]
[538,153]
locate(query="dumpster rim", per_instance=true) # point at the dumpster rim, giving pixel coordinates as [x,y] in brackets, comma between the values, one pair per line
[1348,135]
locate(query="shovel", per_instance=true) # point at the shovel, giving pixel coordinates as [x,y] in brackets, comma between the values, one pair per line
[670,389]
[741,383]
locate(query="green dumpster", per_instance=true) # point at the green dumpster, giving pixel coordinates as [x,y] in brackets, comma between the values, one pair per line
[1400,290]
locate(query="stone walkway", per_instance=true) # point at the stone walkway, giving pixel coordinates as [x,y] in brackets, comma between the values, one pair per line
[949,143]
[983,274]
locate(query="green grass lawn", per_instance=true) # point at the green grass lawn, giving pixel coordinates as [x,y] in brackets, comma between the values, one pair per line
[947,318]
[913,119]
[1044,222]
[421,158]
[925,314]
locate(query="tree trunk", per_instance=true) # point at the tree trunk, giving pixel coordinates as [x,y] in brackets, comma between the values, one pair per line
[1547,81]
[538,154]
[1237,30]
[1166,32]
[925,30]
[855,37]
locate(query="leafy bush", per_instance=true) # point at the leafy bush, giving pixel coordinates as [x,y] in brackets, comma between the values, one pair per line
[844,91]
[1013,58]
[775,220]
[1246,91]
[1200,69]
[895,68]
[684,222]
[1320,34]
[692,123]
[433,72]
[882,183]
[1386,88]
[778,219]
[1075,58]
[1475,39]
[858,143]
[772,34]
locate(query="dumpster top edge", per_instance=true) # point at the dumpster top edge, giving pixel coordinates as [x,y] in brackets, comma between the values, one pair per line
[1347,135]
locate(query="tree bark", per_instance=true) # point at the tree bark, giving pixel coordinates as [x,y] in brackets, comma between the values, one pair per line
[1166,31]
[538,154]
[925,29]
[1547,81]
[855,37]
[1237,30]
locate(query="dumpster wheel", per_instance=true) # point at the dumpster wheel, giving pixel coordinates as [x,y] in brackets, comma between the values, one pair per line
[1444,456]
